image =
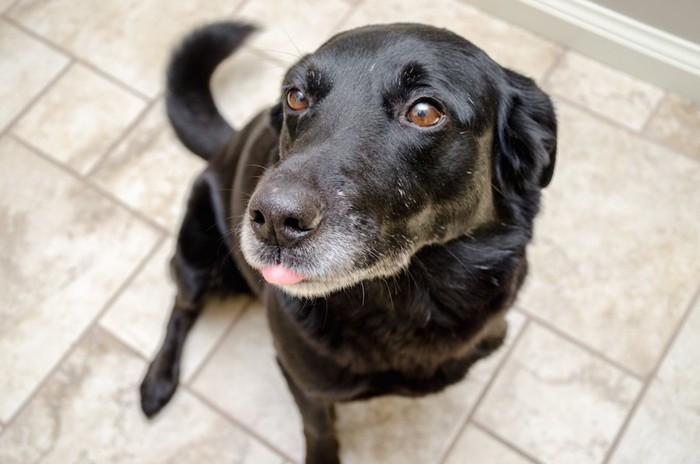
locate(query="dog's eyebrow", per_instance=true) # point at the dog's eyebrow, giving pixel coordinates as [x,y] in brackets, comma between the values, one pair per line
[317,82]
[412,75]
[311,78]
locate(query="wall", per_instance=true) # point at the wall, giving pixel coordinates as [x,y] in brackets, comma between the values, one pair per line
[677,17]
[629,37]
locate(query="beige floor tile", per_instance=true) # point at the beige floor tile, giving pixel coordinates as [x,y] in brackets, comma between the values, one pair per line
[4,4]
[243,379]
[245,84]
[151,171]
[477,447]
[27,68]
[291,29]
[557,402]
[129,40]
[88,412]
[400,430]
[60,265]
[616,256]
[508,45]
[140,314]
[79,118]
[666,427]
[677,124]
[622,98]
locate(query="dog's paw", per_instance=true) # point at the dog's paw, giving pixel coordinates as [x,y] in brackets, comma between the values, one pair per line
[156,390]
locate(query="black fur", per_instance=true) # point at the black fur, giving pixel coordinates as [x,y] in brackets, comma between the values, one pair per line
[402,246]
[190,105]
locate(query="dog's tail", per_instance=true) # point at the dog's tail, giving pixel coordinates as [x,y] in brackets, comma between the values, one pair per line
[191,109]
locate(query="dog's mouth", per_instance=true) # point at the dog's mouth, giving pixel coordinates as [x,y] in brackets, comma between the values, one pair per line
[313,284]
[338,253]
[281,276]
[301,285]
[329,263]
[342,249]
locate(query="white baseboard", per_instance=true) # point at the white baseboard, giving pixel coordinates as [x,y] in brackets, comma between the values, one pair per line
[622,42]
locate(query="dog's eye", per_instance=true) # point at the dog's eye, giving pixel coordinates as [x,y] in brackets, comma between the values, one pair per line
[424,114]
[297,100]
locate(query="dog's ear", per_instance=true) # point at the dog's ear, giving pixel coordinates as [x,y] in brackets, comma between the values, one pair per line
[277,117]
[526,136]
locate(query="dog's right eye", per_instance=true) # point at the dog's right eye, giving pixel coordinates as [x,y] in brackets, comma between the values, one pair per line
[425,114]
[297,100]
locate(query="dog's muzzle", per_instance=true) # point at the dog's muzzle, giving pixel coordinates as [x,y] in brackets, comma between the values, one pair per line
[283,216]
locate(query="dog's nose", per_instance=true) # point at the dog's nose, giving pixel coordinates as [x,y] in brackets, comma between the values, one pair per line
[284,215]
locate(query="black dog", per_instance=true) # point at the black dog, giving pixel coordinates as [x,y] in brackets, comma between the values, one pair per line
[381,210]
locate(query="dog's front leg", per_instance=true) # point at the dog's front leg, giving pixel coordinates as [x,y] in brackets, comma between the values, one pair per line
[319,428]
[196,258]
[163,374]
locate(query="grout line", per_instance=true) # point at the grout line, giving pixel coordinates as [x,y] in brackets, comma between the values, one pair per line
[101,159]
[528,31]
[600,117]
[606,120]
[340,25]
[522,453]
[116,81]
[123,344]
[188,386]
[519,336]
[160,241]
[628,419]
[645,127]
[137,354]
[237,11]
[270,55]
[84,333]
[110,196]
[164,233]
[54,46]
[92,185]
[182,387]
[245,428]
[65,51]
[592,351]
[41,94]
[129,130]
[9,7]
[215,347]
[485,389]
[645,388]
[560,59]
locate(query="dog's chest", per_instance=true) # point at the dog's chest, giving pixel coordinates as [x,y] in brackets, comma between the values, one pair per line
[373,338]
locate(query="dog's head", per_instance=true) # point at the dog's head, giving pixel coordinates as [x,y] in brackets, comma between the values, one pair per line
[391,138]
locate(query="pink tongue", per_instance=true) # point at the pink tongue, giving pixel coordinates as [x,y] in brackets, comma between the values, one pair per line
[280,275]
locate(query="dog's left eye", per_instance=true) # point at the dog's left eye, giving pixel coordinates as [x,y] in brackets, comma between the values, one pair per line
[425,114]
[296,99]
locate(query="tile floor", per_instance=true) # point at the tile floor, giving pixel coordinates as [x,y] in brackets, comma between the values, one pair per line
[600,364]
